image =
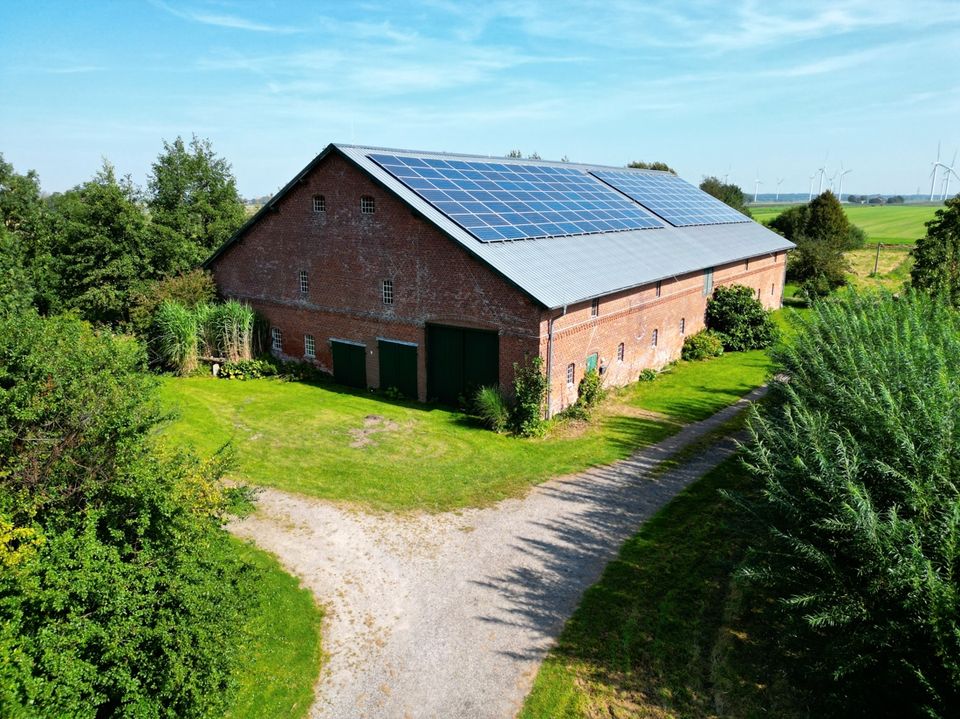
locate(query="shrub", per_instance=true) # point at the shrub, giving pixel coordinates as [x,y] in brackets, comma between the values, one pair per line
[174,337]
[702,345]
[119,592]
[233,326]
[858,535]
[190,289]
[492,408]
[530,392]
[247,369]
[590,390]
[739,319]
[648,375]
[576,412]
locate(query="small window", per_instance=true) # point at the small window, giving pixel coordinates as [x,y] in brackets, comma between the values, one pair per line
[746,264]
[659,287]
[707,281]
[771,289]
[387,291]
[683,325]
[620,352]
[595,307]
[758,293]
[276,337]
[304,282]
[309,346]
[654,338]
[367,205]
[571,369]
[319,203]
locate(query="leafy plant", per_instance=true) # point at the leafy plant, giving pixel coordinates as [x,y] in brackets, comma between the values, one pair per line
[702,345]
[491,406]
[175,337]
[590,390]
[936,266]
[247,369]
[530,390]
[739,319]
[647,375]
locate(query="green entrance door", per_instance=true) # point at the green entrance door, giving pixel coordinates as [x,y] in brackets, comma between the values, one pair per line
[349,364]
[398,367]
[592,362]
[460,360]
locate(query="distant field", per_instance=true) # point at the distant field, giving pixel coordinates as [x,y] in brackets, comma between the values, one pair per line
[889,224]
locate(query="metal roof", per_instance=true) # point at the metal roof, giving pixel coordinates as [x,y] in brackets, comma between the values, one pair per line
[559,271]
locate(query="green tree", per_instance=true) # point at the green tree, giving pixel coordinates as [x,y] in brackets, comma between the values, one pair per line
[119,596]
[193,195]
[16,287]
[662,166]
[936,257]
[101,246]
[727,192]
[739,318]
[858,516]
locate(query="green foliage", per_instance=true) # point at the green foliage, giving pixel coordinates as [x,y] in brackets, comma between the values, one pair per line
[530,392]
[662,166]
[491,406]
[190,289]
[647,375]
[590,390]
[702,345]
[233,325]
[247,369]
[936,266]
[16,289]
[174,337]
[859,453]
[736,315]
[192,193]
[122,596]
[727,192]
[25,261]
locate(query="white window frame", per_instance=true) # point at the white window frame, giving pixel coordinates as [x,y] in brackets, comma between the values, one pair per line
[683,325]
[571,373]
[707,281]
[276,339]
[621,351]
[386,292]
[595,307]
[304,282]
[655,337]
[319,204]
[368,205]
[309,346]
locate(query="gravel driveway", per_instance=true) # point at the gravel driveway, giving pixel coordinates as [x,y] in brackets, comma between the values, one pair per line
[450,615]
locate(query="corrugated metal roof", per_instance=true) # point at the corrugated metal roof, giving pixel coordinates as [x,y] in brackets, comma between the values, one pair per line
[558,271]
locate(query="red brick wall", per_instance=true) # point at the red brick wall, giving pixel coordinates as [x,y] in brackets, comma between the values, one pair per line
[347,255]
[631,317]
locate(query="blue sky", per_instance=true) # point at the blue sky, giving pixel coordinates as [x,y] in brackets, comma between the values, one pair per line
[745,88]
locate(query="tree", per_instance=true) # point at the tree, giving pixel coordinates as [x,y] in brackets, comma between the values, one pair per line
[119,594]
[728,193]
[857,538]
[662,166]
[738,317]
[936,257]
[16,288]
[192,194]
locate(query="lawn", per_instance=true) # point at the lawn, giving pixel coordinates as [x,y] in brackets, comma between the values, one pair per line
[664,633]
[343,445]
[889,224]
[281,660]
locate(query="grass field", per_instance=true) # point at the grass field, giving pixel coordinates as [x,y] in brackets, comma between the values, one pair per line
[338,444]
[889,224]
[281,661]
[664,633]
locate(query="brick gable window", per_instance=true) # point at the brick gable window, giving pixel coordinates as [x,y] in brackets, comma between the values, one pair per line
[595,307]
[571,373]
[659,287]
[771,289]
[276,339]
[319,203]
[304,282]
[367,205]
[683,325]
[620,352]
[654,338]
[387,292]
[309,346]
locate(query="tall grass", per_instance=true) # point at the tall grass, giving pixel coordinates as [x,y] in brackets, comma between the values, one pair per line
[233,326]
[206,333]
[175,337]
[492,408]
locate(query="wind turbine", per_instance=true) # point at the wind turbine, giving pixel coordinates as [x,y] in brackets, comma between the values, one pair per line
[946,175]
[832,178]
[933,173]
[756,188]
[822,171]
[811,186]
[779,182]
[840,189]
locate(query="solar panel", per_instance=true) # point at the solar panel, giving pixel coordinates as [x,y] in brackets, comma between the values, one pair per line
[673,199]
[496,201]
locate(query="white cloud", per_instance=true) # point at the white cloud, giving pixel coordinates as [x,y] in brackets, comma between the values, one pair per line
[226,21]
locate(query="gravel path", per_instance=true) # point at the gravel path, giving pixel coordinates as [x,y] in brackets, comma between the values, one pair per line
[450,615]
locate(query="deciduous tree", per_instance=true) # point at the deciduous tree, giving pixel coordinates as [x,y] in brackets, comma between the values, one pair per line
[936,257]
[726,192]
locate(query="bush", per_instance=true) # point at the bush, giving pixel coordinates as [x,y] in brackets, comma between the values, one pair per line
[119,592]
[739,319]
[247,369]
[492,408]
[174,337]
[858,538]
[648,375]
[530,392]
[590,390]
[702,345]
[190,289]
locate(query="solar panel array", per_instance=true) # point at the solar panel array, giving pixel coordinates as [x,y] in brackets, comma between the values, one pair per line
[678,202]
[496,201]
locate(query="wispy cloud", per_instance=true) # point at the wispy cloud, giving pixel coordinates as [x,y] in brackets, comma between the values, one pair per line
[226,21]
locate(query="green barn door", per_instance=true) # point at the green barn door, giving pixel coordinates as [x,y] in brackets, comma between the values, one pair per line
[349,364]
[459,360]
[398,367]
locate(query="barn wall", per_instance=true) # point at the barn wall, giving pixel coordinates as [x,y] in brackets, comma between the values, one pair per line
[347,255]
[631,316]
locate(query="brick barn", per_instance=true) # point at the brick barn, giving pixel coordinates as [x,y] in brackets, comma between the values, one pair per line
[434,273]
